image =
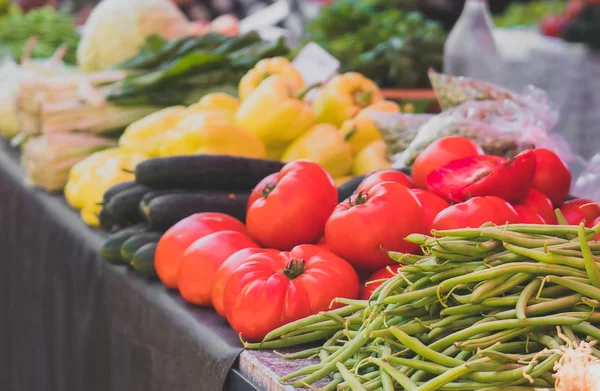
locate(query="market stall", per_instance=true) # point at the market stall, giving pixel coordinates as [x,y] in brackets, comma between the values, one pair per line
[200,205]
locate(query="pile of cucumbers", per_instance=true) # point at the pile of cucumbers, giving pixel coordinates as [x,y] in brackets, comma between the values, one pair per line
[167,190]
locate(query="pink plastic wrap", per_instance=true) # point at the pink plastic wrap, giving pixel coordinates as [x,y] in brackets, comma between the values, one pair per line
[588,183]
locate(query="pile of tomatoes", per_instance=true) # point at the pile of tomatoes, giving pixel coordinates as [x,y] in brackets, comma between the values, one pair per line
[300,248]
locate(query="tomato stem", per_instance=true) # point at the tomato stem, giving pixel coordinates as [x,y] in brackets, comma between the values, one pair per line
[294,268]
[361,198]
[268,189]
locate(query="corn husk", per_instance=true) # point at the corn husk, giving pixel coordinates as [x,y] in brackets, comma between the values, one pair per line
[49,158]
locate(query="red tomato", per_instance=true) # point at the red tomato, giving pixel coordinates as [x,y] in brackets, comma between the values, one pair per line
[385,176]
[294,210]
[540,204]
[380,276]
[263,188]
[382,217]
[574,8]
[527,215]
[440,153]
[432,204]
[201,261]
[484,175]
[575,211]
[474,213]
[552,176]
[270,290]
[225,271]
[178,238]
[553,25]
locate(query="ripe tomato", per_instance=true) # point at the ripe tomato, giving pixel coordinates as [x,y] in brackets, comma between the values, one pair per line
[553,25]
[262,188]
[527,215]
[552,176]
[474,213]
[293,210]
[382,217]
[540,204]
[225,271]
[270,290]
[574,8]
[484,175]
[440,153]
[432,204]
[385,176]
[376,279]
[178,238]
[201,261]
[575,211]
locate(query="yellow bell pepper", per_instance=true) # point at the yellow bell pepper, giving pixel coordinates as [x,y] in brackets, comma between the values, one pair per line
[93,183]
[361,130]
[324,145]
[216,101]
[344,97]
[371,158]
[146,134]
[341,180]
[275,112]
[88,181]
[211,133]
[265,68]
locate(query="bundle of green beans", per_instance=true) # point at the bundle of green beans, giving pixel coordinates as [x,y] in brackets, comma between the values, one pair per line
[491,308]
[52,29]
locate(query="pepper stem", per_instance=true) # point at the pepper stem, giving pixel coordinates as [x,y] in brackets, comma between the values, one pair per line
[350,133]
[294,268]
[302,94]
[363,98]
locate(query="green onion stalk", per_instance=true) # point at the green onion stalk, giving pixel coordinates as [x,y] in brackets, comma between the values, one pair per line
[489,308]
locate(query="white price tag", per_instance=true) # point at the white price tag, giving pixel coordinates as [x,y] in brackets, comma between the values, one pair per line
[315,64]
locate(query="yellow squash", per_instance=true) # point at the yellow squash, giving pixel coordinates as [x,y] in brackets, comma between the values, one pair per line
[344,97]
[146,134]
[275,112]
[361,130]
[268,67]
[324,145]
[211,133]
[216,101]
[373,157]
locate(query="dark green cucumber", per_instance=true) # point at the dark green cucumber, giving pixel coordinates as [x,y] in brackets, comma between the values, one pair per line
[118,188]
[111,249]
[143,260]
[107,220]
[205,172]
[125,205]
[346,190]
[154,194]
[131,245]
[167,210]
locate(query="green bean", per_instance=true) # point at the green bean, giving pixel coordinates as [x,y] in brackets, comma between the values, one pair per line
[466,309]
[371,376]
[401,378]
[505,257]
[343,311]
[531,268]
[586,290]
[527,293]
[289,342]
[543,308]
[541,256]
[444,275]
[436,332]
[416,346]
[449,376]
[411,328]
[507,301]
[512,282]
[519,239]
[333,384]
[590,263]
[433,368]
[487,286]
[410,296]
[349,378]
[505,324]
[501,336]
[585,328]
